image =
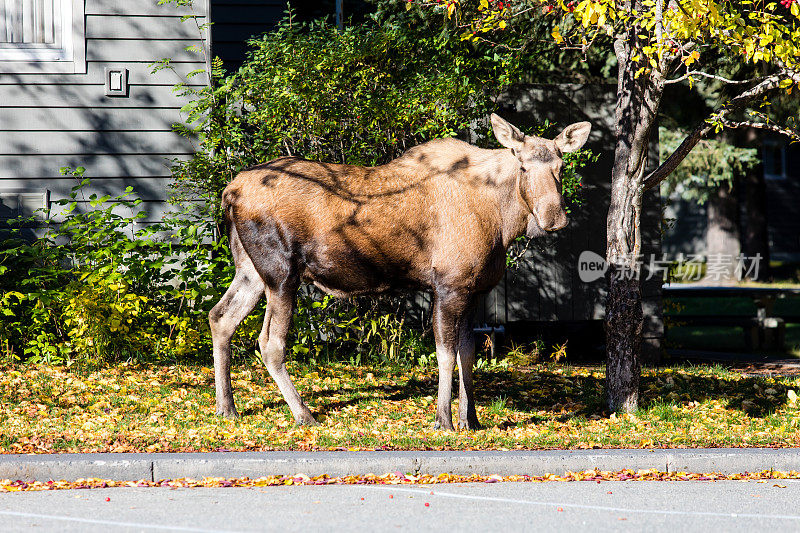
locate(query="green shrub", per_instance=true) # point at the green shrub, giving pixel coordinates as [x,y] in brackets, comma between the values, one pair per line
[360,96]
[97,287]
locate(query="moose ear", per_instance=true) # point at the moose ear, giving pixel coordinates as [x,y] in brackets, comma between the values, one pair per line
[508,135]
[573,137]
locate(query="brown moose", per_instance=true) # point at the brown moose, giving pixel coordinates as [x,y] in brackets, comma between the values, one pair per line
[438,218]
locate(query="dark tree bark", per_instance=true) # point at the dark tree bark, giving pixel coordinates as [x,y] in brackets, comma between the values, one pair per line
[637,105]
[623,341]
[722,236]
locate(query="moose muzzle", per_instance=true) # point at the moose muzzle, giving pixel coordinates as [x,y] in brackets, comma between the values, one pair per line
[550,212]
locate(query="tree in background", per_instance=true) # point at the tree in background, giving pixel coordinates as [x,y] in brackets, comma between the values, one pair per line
[656,43]
[710,175]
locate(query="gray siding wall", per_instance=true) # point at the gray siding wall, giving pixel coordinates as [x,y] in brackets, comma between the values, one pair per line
[52,120]
[783,213]
[685,231]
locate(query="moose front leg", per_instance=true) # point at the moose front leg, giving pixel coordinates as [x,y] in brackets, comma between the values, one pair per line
[467,417]
[447,360]
[449,313]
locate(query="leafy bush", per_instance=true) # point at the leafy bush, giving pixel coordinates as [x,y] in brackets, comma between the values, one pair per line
[97,287]
[360,96]
[356,331]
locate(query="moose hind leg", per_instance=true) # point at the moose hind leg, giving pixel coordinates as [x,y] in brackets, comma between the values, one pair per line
[272,343]
[238,301]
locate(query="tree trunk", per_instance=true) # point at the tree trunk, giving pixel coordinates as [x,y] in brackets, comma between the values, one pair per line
[637,105]
[722,237]
[756,236]
[623,341]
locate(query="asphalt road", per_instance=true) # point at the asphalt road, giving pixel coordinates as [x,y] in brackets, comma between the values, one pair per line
[608,506]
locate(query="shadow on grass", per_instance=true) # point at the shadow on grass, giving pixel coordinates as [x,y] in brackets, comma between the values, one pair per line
[548,394]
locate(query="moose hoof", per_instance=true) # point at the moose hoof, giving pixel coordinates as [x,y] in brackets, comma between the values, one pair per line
[230,413]
[444,425]
[306,421]
[472,425]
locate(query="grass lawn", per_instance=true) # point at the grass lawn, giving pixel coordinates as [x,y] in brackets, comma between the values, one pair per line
[157,408]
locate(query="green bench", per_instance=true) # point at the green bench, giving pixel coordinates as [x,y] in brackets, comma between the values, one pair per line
[761,331]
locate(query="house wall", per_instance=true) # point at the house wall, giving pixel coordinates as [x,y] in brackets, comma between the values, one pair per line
[686,226]
[783,213]
[235,21]
[48,121]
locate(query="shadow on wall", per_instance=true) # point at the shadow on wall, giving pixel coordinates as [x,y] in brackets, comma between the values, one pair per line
[120,141]
[686,224]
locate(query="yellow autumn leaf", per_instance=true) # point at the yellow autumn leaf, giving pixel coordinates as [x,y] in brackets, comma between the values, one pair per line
[792,396]
[556,33]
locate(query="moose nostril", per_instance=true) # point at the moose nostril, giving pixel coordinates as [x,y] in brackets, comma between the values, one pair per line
[555,226]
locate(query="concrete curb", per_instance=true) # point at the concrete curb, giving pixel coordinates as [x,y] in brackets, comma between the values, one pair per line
[153,467]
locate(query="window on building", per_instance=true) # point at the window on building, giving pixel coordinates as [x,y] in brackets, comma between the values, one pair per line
[774,159]
[42,36]
[25,203]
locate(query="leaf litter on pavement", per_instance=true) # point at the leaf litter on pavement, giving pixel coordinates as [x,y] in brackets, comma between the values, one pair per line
[396,478]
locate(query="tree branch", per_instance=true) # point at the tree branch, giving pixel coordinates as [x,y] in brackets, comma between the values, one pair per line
[659,21]
[712,76]
[701,130]
[792,134]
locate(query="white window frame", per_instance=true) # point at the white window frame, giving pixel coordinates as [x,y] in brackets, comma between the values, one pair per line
[67,55]
[20,200]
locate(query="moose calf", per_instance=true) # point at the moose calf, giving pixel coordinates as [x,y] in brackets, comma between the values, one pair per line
[438,218]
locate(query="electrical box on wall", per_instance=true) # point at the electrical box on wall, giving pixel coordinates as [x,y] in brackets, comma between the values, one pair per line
[116,81]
